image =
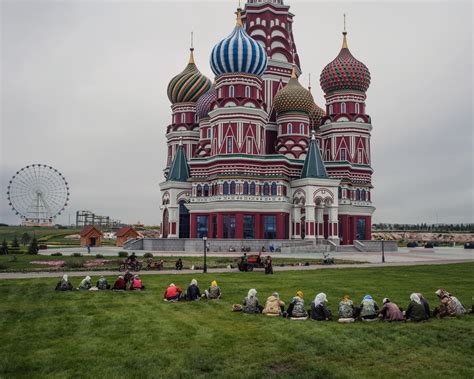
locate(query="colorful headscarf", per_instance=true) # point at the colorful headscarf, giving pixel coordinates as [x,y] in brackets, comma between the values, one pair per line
[414,297]
[441,293]
[386,300]
[300,294]
[367,297]
[276,294]
[346,298]
[213,283]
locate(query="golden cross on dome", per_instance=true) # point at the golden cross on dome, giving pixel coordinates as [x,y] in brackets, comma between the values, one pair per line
[309,82]
[191,49]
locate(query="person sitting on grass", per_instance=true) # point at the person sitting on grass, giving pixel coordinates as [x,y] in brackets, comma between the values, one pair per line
[85,284]
[390,311]
[415,310]
[214,292]
[102,284]
[120,284]
[136,284]
[251,302]
[319,309]
[449,306]
[64,284]
[128,277]
[172,293]
[368,309]
[193,293]
[296,309]
[425,304]
[274,306]
[346,310]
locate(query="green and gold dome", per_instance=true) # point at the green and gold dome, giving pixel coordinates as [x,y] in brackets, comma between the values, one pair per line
[293,97]
[189,85]
[315,116]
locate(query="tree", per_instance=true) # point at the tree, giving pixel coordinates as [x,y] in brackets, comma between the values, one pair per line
[4,249]
[33,248]
[15,243]
[25,239]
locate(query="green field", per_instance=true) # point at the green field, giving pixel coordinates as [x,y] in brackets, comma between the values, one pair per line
[112,334]
[22,262]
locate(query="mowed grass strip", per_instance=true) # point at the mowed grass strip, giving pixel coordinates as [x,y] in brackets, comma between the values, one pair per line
[112,334]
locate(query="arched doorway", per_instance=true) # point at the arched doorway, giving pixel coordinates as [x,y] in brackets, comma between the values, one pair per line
[184,224]
[303,223]
[166,224]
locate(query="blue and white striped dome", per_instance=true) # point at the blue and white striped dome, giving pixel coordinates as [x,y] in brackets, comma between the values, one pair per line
[239,53]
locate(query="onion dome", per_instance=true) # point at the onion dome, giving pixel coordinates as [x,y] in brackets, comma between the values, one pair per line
[315,116]
[345,73]
[205,103]
[293,97]
[189,85]
[238,53]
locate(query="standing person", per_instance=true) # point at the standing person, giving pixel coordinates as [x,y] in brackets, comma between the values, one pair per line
[296,308]
[415,310]
[319,309]
[346,310]
[88,249]
[102,284]
[449,305]
[214,292]
[179,264]
[245,262]
[172,293]
[274,306]
[368,309]
[85,283]
[64,284]
[193,293]
[251,302]
[390,311]
[268,265]
[120,284]
[128,277]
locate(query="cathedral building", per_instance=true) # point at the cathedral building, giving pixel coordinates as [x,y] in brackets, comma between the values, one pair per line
[252,156]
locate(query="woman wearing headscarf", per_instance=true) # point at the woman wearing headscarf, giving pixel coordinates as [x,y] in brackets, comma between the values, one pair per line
[390,311]
[120,284]
[193,293]
[296,308]
[251,302]
[415,310]
[425,304]
[172,293]
[368,308]
[449,305]
[102,284]
[274,306]
[64,284]
[85,284]
[214,292]
[136,284]
[319,309]
[346,310]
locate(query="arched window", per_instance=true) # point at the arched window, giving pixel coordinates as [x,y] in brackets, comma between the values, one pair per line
[247,91]
[331,109]
[283,190]
[246,188]
[289,129]
[231,91]
[274,189]
[252,188]
[232,188]
[363,195]
[198,190]
[266,189]
[357,108]
[343,107]
[183,118]
[225,188]
[206,190]
[358,194]
[301,128]
[209,133]
[339,193]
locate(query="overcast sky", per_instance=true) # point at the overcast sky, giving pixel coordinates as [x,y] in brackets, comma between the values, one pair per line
[83,89]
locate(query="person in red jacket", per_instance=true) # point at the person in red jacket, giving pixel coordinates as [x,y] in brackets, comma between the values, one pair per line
[136,283]
[120,284]
[172,293]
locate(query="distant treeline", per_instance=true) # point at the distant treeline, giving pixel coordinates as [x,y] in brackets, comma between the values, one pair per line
[424,227]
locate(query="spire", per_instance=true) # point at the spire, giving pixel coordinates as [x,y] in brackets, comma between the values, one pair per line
[309,82]
[344,33]
[179,171]
[239,16]
[313,164]
[191,50]
[293,67]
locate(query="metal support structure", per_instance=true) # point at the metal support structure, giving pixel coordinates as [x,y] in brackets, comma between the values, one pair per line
[204,239]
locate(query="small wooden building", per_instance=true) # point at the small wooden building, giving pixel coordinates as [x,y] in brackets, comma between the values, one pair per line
[91,236]
[124,234]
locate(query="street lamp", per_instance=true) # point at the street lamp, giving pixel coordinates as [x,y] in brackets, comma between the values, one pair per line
[205,255]
[383,251]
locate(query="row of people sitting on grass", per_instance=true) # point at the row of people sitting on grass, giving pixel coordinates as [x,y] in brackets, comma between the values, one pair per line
[418,309]
[123,282]
[193,293]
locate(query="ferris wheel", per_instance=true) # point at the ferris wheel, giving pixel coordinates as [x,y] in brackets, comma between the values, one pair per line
[38,193]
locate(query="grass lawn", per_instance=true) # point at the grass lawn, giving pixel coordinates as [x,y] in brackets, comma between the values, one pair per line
[22,262]
[112,334]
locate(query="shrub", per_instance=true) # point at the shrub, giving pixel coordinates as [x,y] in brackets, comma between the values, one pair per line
[33,248]
[123,254]
[75,264]
[99,256]
[148,255]
[57,254]
[77,255]
[3,266]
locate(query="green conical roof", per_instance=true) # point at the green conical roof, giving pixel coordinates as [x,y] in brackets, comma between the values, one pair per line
[179,171]
[313,164]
